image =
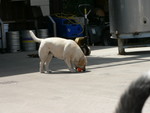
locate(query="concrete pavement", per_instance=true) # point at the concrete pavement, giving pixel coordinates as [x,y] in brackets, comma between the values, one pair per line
[24,90]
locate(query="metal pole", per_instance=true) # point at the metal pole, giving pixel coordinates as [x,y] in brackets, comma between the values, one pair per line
[54,25]
[2,33]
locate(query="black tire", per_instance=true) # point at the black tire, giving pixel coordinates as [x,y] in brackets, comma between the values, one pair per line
[86,50]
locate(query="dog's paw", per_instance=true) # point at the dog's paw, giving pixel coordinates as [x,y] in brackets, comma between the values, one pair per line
[73,70]
[42,72]
[47,72]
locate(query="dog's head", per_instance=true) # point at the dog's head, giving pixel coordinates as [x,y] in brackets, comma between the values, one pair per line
[81,63]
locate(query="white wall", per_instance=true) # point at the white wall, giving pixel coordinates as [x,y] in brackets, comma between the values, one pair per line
[44,4]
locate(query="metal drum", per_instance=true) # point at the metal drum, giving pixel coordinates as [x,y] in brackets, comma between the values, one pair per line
[42,33]
[13,41]
[28,44]
[129,19]
[129,16]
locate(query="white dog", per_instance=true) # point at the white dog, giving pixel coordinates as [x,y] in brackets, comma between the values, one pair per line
[60,48]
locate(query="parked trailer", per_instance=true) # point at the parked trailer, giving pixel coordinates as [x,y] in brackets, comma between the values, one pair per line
[129,19]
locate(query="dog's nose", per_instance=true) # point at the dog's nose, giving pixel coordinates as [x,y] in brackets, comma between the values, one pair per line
[83,68]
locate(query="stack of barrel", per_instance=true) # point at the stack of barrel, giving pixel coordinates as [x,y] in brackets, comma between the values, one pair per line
[17,41]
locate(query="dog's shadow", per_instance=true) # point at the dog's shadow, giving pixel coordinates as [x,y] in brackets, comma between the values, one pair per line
[67,72]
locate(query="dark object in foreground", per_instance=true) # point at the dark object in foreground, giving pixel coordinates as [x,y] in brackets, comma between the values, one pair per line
[132,101]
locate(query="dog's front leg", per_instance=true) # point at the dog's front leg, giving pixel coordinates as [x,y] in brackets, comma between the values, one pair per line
[70,65]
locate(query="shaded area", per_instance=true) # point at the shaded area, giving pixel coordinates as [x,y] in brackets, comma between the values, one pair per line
[20,63]
[17,63]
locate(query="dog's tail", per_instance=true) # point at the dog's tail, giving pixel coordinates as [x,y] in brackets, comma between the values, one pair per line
[36,39]
[132,101]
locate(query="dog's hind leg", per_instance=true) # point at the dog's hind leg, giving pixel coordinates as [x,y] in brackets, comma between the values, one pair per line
[43,54]
[48,60]
[41,66]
